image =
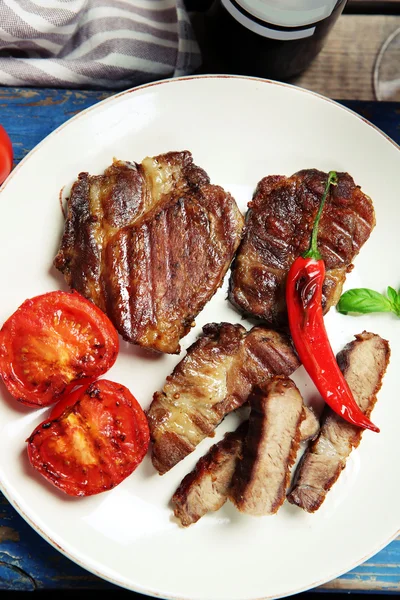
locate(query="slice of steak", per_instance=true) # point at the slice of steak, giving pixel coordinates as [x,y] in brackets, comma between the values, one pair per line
[207,487]
[278,229]
[309,426]
[363,363]
[214,378]
[270,447]
[150,244]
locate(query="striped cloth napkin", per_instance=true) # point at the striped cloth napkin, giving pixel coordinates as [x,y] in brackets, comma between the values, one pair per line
[112,44]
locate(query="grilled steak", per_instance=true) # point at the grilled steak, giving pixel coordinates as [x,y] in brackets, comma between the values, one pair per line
[278,229]
[150,244]
[363,363]
[207,487]
[262,475]
[214,378]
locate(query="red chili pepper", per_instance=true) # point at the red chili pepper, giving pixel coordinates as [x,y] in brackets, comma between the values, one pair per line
[304,303]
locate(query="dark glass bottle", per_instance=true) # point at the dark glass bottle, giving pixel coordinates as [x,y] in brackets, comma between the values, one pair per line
[267,38]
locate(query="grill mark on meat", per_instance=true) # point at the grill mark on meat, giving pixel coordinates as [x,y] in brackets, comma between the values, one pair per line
[341,229]
[270,241]
[363,363]
[165,207]
[138,285]
[275,358]
[207,487]
[116,255]
[149,292]
[278,228]
[177,234]
[270,447]
[95,207]
[214,378]
[159,261]
[115,204]
[361,221]
[256,360]
[186,241]
[328,249]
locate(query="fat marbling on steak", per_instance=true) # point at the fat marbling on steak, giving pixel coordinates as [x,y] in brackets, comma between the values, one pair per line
[150,244]
[363,363]
[214,378]
[278,229]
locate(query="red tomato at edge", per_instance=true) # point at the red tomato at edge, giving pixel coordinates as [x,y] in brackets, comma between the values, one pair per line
[6,154]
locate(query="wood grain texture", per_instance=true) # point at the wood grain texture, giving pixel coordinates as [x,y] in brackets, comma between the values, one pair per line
[29,115]
[344,68]
[27,561]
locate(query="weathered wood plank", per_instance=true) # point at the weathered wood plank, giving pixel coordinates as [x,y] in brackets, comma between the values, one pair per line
[29,115]
[344,68]
[28,562]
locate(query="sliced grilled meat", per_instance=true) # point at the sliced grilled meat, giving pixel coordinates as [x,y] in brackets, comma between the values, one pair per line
[270,447]
[150,244]
[214,378]
[207,487]
[363,363]
[309,426]
[278,228]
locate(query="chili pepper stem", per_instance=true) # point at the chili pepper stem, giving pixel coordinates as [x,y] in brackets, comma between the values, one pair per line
[313,251]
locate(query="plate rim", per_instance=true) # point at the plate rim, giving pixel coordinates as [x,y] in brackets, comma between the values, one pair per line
[169,80]
[115,98]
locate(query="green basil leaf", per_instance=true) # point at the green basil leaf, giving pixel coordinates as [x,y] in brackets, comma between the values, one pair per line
[397,305]
[392,294]
[363,300]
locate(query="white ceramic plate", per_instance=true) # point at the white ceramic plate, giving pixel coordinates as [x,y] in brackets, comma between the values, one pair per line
[239,130]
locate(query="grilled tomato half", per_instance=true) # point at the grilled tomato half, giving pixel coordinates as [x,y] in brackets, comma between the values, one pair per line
[94,444]
[52,343]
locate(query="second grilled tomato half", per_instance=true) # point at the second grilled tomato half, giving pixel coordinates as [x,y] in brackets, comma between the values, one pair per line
[95,443]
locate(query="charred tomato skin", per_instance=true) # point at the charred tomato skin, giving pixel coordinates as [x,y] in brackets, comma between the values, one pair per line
[94,444]
[53,342]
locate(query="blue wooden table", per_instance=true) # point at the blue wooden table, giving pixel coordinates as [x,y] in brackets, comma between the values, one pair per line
[27,562]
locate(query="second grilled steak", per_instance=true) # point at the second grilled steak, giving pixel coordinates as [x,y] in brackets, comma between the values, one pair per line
[214,378]
[278,228]
[150,244]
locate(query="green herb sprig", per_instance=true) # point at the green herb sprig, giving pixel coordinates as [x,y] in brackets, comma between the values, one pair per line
[364,300]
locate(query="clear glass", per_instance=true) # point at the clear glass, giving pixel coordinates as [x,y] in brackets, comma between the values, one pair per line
[387,69]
